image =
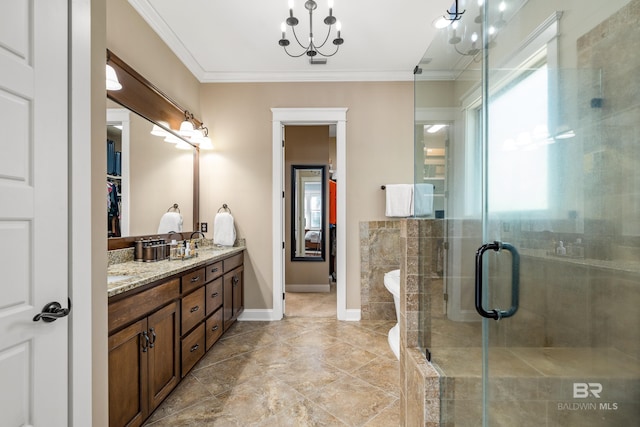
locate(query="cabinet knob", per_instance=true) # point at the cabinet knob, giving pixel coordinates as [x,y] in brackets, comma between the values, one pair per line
[194,348]
[194,309]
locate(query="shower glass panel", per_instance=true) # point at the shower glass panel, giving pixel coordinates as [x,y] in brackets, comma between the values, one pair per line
[543,167]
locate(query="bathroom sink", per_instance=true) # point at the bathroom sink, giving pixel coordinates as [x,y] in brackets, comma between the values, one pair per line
[114,279]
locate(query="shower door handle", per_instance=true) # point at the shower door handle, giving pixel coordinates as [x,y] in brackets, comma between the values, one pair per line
[496,313]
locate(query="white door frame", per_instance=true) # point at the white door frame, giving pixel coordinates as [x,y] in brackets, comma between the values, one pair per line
[309,116]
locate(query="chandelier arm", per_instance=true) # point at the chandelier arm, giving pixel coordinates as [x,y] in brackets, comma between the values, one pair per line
[329,55]
[298,40]
[325,39]
[294,56]
[462,53]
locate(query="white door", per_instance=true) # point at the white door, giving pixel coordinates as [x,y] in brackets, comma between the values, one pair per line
[33,211]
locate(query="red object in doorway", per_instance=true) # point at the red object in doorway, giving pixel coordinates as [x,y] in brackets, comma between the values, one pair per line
[332,202]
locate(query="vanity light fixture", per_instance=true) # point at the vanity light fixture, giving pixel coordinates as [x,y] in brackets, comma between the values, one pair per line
[112,79]
[205,141]
[311,49]
[186,127]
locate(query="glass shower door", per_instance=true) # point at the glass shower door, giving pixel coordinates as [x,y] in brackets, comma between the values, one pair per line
[558,274]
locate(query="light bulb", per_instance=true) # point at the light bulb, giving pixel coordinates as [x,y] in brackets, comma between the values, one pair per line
[283,28]
[502,7]
[338,25]
[330,4]
[474,37]
[480,3]
[290,4]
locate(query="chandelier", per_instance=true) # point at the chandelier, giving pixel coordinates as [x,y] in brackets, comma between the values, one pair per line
[464,35]
[311,49]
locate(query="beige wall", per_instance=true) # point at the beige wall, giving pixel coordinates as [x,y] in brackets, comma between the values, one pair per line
[131,39]
[379,147]
[305,145]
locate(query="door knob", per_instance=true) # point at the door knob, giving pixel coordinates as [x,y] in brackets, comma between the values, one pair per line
[52,311]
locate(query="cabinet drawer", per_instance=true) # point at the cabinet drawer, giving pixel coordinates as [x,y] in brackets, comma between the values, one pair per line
[214,295]
[213,270]
[192,349]
[193,309]
[214,328]
[134,307]
[192,280]
[232,262]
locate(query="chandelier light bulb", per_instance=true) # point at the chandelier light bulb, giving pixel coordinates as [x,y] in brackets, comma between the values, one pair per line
[480,3]
[290,4]
[474,37]
[330,4]
[502,7]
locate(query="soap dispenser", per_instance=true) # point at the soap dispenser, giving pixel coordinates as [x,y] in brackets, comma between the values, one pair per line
[561,250]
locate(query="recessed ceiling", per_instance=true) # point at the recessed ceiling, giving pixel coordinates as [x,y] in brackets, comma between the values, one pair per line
[237,41]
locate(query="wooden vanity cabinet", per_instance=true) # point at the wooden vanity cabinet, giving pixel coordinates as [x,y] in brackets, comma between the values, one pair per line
[158,335]
[233,289]
[144,357]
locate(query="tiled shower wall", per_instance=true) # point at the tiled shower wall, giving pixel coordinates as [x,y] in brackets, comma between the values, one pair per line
[379,253]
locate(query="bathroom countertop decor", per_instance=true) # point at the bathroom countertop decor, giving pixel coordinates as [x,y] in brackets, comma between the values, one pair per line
[125,276]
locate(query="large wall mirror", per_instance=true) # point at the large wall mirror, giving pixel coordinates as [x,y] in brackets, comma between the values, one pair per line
[154,175]
[308,221]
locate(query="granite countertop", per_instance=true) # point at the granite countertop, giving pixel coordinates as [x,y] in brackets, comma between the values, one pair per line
[126,276]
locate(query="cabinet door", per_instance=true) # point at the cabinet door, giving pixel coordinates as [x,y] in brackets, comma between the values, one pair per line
[128,377]
[238,291]
[227,295]
[164,353]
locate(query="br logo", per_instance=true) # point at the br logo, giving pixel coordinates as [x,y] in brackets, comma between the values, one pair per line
[584,390]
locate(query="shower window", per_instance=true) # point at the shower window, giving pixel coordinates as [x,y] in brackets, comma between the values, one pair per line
[518,140]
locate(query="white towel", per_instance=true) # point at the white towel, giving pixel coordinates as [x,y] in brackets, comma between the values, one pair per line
[423,203]
[224,232]
[170,221]
[399,200]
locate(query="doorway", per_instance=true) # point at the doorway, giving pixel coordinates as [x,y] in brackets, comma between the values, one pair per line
[310,289]
[307,116]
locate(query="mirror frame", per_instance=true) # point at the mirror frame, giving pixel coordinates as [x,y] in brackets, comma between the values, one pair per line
[148,101]
[323,217]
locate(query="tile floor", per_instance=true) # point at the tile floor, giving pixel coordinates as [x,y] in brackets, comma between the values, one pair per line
[301,371]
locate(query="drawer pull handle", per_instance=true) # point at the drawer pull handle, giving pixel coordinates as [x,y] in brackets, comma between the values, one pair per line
[145,341]
[215,294]
[214,269]
[195,279]
[152,341]
[194,309]
[215,328]
[194,348]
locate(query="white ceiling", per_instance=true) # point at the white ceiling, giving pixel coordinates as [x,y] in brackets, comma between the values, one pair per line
[237,40]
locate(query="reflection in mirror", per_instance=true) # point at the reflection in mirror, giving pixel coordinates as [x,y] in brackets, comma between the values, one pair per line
[307,213]
[155,175]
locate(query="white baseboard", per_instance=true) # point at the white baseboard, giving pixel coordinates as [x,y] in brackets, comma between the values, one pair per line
[307,288]
[258,315]
[352,315]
